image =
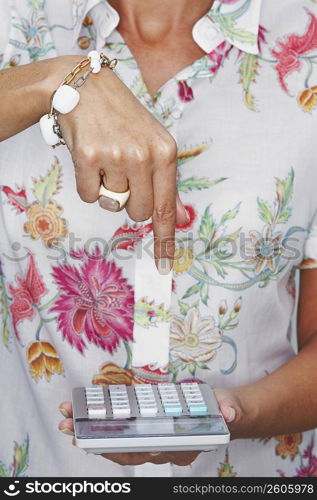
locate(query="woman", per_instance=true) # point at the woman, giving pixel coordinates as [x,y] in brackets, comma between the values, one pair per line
[219,141]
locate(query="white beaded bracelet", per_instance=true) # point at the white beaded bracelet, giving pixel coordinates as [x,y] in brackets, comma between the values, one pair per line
[66,97]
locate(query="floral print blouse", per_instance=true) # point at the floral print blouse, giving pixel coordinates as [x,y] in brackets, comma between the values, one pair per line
[80,305]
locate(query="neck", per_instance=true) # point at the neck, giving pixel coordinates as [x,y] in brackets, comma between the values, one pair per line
[153,20]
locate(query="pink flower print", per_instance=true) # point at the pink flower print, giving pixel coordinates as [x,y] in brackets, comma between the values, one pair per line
[96,302]
[28,293]
[127,236]
[192,217]
[218,55]
[310,468]
[292,48]
[261,37]
[16,198]
[185,92]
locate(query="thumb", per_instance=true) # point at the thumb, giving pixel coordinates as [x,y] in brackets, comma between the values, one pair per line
[228,404]
[182,217]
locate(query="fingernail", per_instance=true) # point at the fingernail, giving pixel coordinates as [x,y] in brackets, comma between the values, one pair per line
[63,412]
[164,266]
[67,431]
[154,454]
[187,215]
[231,414]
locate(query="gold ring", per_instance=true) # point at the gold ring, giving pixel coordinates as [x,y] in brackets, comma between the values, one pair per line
[110,200]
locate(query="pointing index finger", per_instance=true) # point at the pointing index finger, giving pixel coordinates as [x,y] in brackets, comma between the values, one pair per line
[164,217]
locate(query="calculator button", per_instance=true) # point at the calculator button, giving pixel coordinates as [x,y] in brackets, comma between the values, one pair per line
[120,404]
[170,409]
[92,402]
[97,412]
[122,411]
[198,409]
[94,396]
[119,397]
[148,410]
[117,388]
[146,399]
[194,399]
[169,397]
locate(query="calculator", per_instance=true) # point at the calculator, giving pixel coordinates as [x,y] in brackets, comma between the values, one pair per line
[146,417]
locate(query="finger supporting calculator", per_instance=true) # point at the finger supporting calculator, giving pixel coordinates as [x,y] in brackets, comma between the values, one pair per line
[145,417]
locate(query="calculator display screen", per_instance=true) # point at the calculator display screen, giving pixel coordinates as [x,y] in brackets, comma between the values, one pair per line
[143,427]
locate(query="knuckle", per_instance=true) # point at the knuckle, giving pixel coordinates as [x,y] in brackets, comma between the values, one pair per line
[164,212]
[87,156]
[116,156]
[166,150]
[139,156]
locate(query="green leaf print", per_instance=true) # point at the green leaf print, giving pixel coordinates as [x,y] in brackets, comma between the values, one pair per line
[19,463]
[193,290]
[147,313]
[22,457]
[231,214]
[4,313]
[248,70]
[204,294]
[284,190]
[192,183]
[207,226]
[183,307]
[265,212]
[47,186]
[3,470]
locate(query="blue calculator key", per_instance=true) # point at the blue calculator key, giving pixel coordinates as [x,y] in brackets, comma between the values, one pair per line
[198,409]
[172,409]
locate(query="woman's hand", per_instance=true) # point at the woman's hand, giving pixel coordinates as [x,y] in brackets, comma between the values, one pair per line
[114,139]
[228,403]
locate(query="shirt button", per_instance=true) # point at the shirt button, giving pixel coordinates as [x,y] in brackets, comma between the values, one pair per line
[212,32]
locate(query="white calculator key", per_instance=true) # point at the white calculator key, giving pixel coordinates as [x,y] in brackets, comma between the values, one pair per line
[170,398]
[166,386]
[191,390]
[117,388]
[144,391]
[97,412]
[91,402]
[167,391]
[146,398]
[96,405]
[148,410]
[193,396]
[124,411]
[119,404]
[119,397]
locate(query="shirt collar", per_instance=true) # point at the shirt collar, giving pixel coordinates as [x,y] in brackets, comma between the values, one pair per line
[236,21]
[106,21]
